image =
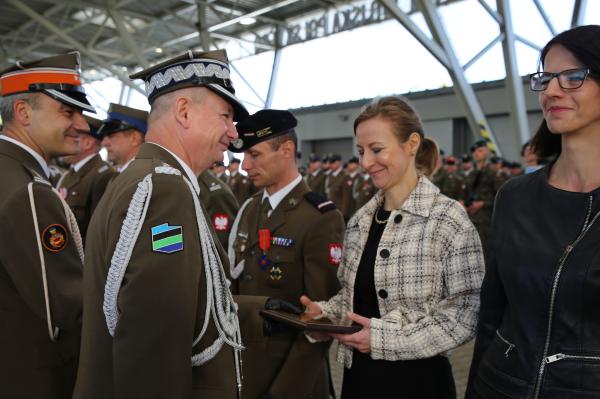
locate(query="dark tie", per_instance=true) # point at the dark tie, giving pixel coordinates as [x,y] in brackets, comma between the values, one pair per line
[264,212]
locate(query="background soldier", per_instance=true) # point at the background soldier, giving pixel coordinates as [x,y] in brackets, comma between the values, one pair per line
[219,171]
[339,187]
[315,176]
[123,131]
[152,258]
[240,185]
[286,243]
[364,189]
[40,249]
[450,183]
[84,183]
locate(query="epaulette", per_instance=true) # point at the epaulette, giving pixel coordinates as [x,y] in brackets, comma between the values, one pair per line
[36,177]
[321,203]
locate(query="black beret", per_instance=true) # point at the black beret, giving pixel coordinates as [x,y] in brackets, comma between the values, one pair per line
[235,160]
[263,125]
[479,143]
[353,159]
[335,157]
[314,158]
[466,158]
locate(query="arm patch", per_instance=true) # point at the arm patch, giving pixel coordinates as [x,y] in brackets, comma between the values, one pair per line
[321,203]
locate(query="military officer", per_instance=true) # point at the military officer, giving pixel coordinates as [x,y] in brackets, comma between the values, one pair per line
[220,204]
[41,253]
[448,180]
[240,185]
[315,176]
[480,190]
[338,186]
[123,133]
[159,319]
[364,189]
[84,183]
[219,171]
[285,242]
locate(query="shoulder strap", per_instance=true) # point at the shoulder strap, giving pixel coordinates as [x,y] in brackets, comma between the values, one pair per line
[321,203]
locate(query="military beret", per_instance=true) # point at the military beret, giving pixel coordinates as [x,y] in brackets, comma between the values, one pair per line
[219,163]
[235,160]
[495,160]
[263,125]
[94,125]
[193,69]
[314,158]
[478,144]
[335,157]
[466,158]
[326,158]
[122,118]
[353,159]
[57,76]
[451,160]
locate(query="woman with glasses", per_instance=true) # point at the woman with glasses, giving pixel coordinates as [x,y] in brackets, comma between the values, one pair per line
[411,269]
[539,329]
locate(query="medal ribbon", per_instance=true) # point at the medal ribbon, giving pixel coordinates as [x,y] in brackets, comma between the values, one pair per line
[264,239]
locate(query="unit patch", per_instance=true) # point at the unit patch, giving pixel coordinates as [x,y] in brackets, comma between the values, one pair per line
[275,273]
[220,222]
[167,239]
[335,253]
[54,238]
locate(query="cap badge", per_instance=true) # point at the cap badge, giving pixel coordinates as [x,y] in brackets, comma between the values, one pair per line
[264,132]
[237,143]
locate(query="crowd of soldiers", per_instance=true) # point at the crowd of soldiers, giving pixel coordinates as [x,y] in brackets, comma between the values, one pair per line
[101,297]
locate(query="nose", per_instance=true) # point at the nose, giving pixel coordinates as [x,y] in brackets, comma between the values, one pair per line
[366,160]
[105,141]
[553,89]
[246,163]
[79,123]
[232,133]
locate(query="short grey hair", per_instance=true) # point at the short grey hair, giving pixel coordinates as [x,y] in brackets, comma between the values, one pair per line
[7,104]
[162,103]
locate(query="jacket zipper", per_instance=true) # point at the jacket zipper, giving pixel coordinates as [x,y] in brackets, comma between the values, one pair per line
[560,356]
[586,226]
[511,346]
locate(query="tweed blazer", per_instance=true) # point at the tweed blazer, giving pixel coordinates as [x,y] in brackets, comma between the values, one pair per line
[428,273]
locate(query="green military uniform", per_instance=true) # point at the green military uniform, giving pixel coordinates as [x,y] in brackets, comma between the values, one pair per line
[241,187]
[339,190]
[450,184]
[364,189]
[316,181]
[82,189]
[302,261]
[220,204]
[162,298]
[480,185]
[35,362]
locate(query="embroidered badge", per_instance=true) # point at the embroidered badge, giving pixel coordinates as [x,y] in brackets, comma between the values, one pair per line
[54,238]
[63,192]
[282,241]
[292,201]
[220,222]
[167,239]
[214,187]
[275,273]
[335,253]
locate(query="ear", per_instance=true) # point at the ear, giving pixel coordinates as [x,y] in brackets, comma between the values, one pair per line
[181,110]
[413,142]
[288,149]
[22,112]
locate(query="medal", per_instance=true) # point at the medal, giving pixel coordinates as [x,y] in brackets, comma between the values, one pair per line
[264,243]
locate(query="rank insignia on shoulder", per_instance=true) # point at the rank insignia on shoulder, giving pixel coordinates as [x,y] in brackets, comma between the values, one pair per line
[167,239]
[321,203]
[214,187]
[54,238]
[335,253]
[220,221]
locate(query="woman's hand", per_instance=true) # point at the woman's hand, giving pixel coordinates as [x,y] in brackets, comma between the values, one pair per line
[312,308]
[361,341]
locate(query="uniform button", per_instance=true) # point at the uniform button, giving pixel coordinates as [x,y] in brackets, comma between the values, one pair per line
[383,294]
[398,219]
[247,277]
[384,253]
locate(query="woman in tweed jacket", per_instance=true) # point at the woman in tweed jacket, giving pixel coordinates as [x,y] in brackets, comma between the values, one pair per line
[411,271]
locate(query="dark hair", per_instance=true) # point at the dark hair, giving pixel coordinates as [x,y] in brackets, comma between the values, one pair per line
[584,44]
[405,121]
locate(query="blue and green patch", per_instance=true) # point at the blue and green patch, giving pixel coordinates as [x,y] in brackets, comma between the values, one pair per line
[167,239]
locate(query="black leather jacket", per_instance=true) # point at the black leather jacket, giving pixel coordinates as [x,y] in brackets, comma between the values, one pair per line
[539,327]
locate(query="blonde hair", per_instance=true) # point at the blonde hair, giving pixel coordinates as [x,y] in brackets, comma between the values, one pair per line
[405,121]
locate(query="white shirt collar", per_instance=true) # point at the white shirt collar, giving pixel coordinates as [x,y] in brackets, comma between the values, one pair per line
[81,163]
[276,198]
[121,168]
[34,154]
[188,171]
[316,172]
[353,174]
[336,172]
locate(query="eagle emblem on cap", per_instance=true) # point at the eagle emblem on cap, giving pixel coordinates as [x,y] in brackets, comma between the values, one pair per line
[237,143]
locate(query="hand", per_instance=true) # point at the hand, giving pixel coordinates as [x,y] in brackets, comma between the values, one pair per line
[271,327]
[311,308]
[475,207]
[361,340]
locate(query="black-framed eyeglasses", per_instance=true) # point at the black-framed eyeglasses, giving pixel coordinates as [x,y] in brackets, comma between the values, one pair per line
[567,79]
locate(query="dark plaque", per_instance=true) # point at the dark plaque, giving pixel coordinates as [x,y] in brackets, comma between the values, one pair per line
[306,323]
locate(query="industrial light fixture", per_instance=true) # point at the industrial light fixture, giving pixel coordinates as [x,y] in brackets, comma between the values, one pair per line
[247,21]
[158,50]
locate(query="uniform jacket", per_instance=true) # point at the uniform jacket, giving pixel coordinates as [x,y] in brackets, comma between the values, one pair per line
[539,328]
[32,365]
[450,184]
[161,301]
[480,185]
[220,204]
[364,189]
[427,276]
[240,186]
[83,189]
[339,190]
[316,182]
[301,262]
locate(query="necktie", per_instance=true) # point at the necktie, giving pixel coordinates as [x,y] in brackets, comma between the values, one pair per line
[264,211]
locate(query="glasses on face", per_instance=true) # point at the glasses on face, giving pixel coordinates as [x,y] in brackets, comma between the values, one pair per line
[567,79]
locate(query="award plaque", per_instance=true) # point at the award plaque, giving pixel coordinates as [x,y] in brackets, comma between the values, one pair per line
[306,323]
